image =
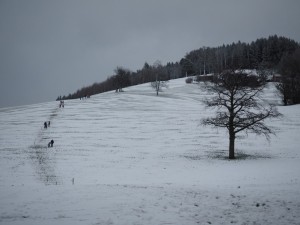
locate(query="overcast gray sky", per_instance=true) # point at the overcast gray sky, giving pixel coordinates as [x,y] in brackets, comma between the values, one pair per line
[54,47]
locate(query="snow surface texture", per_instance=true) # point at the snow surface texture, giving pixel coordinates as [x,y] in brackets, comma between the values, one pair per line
[137,158]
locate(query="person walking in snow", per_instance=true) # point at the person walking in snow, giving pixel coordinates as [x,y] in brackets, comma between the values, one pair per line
[45,125]
[61,104]
[50,144]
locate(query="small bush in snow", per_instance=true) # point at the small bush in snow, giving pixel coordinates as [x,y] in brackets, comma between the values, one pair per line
[189,80]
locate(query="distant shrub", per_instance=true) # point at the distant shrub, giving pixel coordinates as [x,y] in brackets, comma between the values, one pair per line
[189,80]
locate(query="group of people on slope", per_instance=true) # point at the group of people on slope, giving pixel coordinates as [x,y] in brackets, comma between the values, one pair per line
[46,125]
[61,104]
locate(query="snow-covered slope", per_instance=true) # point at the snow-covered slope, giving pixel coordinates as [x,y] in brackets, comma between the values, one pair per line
[138,158]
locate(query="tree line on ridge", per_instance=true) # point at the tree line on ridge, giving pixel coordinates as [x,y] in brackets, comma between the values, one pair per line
[275,54]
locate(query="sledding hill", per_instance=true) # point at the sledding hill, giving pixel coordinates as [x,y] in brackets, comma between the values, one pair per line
[137,158]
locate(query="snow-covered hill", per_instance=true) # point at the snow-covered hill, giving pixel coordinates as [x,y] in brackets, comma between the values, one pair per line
[137,158]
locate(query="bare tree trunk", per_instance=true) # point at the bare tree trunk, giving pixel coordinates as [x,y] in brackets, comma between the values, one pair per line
[231,145]
[157,85]
[231,135]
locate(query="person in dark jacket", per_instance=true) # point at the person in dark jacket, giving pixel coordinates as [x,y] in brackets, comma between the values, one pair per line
[50,144]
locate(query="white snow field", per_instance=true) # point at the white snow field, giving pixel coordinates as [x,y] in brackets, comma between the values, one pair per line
[137,158]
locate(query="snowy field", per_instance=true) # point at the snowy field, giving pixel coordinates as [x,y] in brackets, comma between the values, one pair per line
[137,158]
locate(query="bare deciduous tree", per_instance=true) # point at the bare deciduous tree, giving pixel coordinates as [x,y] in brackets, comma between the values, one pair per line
[158,85]
[121,79]
[239,108]
[161,77]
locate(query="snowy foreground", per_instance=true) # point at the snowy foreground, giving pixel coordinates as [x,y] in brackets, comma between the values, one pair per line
[137,158]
